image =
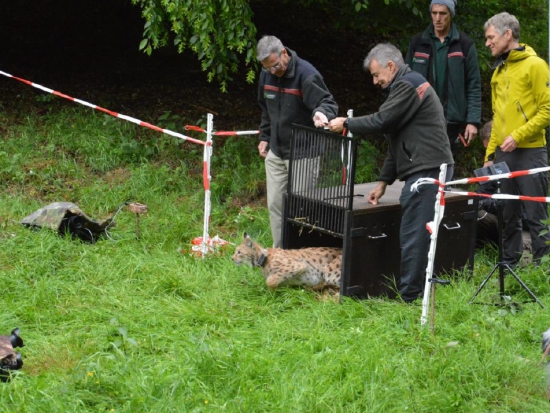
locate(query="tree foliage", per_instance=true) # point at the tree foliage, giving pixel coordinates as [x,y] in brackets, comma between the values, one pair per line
[219,32]
[222,33]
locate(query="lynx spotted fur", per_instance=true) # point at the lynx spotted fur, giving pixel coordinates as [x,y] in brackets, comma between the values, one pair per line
[312,267]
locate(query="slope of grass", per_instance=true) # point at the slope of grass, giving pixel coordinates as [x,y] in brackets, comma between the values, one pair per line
[137,324]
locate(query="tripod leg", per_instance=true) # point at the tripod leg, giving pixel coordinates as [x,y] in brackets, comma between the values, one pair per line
[483,283]
[519,280]
[502,266]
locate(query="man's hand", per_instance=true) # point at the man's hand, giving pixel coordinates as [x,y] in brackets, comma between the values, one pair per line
[509,144]
[262,148]
[377,193]
[336,124]
[470,133]
[488,163]
[320,119]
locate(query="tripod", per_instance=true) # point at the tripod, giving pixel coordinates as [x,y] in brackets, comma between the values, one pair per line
[501,265]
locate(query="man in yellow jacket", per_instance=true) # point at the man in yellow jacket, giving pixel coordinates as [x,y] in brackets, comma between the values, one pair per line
[521,112]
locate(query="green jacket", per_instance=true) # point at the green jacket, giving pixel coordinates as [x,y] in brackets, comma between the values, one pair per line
[462,98]
[521,100]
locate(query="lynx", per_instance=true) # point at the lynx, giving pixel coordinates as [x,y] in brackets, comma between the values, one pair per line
[312,267]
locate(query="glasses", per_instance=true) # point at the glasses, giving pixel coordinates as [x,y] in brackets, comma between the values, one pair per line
[273,68]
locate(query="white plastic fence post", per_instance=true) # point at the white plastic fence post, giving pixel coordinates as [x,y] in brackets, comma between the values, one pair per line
[439,210]
[348,165]
[206,178]
[350,115]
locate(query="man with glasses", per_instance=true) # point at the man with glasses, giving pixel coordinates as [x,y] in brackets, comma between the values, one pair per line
[290,91]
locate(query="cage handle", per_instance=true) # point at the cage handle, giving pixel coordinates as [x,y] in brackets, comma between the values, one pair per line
[378,236]
[456,226]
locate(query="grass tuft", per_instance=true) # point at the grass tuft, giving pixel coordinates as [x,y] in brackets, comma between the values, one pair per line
[135,323]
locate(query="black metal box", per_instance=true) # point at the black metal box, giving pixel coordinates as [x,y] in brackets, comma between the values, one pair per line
[370,240]
[324,207]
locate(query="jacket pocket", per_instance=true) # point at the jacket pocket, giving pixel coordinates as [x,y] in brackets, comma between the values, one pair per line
[407,153]
[421,58]
[520,110]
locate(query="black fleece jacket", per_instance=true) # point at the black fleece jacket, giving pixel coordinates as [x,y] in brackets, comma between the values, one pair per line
[414,125]
[293,98]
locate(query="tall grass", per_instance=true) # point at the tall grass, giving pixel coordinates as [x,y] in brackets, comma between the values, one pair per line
[137,324]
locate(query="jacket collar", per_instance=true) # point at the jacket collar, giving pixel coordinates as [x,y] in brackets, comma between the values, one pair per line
[291,69]
[453,35]
[513,55]
[400,73]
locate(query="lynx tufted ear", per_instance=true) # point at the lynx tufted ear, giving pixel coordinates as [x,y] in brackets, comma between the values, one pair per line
[248,241]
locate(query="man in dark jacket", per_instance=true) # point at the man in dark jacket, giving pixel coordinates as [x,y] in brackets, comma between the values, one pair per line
[448,59]
[414,125]
[290,91]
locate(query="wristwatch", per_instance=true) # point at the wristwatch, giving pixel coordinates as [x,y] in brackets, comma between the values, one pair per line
[346,124]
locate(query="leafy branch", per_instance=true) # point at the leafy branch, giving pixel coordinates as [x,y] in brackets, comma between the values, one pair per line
[219,32]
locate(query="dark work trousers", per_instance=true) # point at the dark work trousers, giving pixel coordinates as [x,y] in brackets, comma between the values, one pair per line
[535,212]
[453,129]
[417,209]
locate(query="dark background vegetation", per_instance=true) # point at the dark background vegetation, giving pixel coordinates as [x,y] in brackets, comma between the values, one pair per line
[89,50]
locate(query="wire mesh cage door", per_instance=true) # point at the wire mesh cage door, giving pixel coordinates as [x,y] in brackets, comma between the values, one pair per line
[321,179]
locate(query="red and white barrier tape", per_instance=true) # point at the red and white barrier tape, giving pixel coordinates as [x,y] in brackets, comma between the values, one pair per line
[109,112]
[229,133]
[515,174]
[503,196]
[237,133]
[205,241]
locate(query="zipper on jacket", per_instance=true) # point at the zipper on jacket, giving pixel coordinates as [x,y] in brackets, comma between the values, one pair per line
[522,111]
[279,95]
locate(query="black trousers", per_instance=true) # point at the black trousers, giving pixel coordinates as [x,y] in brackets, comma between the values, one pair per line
[536,213]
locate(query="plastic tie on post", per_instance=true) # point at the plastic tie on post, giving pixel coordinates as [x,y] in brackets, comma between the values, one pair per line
[212,244]
[430,227]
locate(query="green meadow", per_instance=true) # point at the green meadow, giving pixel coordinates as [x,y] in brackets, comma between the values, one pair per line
[137,323]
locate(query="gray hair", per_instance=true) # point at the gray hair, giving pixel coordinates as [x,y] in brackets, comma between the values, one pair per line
[502,22]
[383,53]
[268,45]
